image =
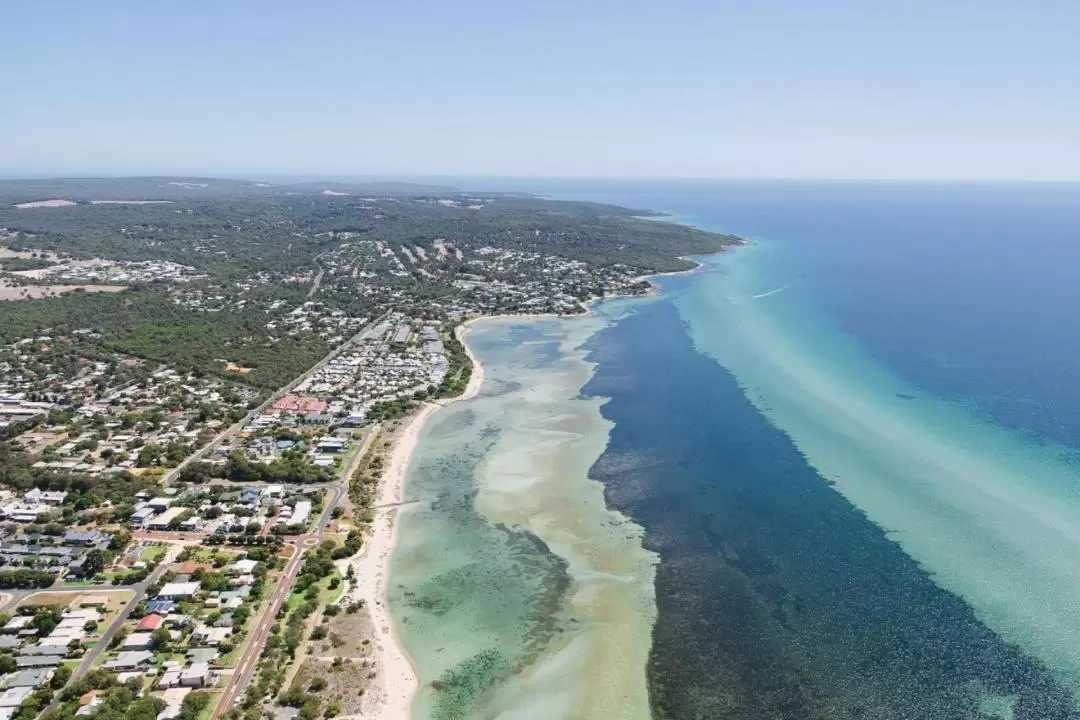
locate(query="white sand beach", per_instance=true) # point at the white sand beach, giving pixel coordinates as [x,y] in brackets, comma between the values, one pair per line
[372,565]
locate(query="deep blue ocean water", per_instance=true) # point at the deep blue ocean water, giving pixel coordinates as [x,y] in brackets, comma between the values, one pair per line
[971,291]
[855,447]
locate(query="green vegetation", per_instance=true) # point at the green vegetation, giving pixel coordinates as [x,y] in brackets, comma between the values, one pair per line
[257,229]
[146,323]
[217,557]
[153,553]
[460,370]
[23,578]
[17,264]
[120,700]
[291,467]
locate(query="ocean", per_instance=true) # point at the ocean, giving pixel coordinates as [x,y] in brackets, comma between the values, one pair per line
[834,474]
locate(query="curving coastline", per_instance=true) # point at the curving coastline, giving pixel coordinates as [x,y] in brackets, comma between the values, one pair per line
[511,569]
[371,567]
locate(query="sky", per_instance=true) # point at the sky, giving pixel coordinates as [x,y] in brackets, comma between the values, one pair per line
[934,89]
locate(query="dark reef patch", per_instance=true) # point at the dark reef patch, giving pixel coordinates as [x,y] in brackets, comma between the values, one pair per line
[500,564]
[777,598]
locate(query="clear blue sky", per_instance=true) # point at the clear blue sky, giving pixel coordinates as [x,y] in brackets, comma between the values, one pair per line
[983,89]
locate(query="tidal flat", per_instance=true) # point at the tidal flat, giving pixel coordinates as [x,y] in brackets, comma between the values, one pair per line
[516,591]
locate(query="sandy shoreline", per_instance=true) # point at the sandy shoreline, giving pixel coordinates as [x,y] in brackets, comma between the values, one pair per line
[372,566]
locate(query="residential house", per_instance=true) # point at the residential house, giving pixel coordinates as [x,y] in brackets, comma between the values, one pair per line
[17,623]
[141,516]
[211,636]
[196,675]
[91,706]
[163,607]
[138,641]
[159,504]
[131,660]
[169,679]
[33,678]
[39,661]
[11,697]
[241,567]
[150,623]
[85,538]
[178,591]
[45,497]
[202,655]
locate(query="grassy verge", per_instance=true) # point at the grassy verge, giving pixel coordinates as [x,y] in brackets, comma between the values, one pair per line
[332,596]
[233,657]
[152,553]
[206,556]
[207,712]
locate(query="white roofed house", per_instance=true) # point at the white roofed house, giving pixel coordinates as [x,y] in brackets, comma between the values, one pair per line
[165,519]
[301,513]
[241,567]
[45,497]
[211,636]
[12,697]
[138,641]
[178,591]
[196,675]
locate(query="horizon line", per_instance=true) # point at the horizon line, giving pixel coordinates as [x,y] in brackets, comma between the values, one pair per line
[410,177]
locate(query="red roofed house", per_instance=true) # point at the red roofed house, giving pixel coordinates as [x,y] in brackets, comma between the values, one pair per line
[299,404]
[149,623]
[188,568]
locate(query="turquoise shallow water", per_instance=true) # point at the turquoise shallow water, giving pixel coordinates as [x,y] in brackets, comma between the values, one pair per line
[851,446]
[517,592]
[994,515]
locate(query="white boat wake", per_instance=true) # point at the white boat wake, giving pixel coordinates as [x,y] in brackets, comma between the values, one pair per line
[774,291]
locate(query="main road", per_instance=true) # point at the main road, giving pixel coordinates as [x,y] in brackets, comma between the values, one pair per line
[249,660]
[232,430]
[102,643]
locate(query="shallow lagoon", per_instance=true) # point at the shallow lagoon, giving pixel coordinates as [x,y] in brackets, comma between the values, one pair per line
[517,592]
[835,540]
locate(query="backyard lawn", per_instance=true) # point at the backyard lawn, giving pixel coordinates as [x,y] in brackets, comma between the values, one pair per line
[152,553]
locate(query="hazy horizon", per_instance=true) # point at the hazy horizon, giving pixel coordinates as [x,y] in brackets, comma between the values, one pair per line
[434,179]
[964,91]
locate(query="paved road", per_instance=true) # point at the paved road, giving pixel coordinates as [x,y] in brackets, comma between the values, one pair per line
[249,662]
[102,645]
[14,597]
[232,430]
[318,278]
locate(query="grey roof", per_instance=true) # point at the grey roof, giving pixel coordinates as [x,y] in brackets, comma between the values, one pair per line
[202,655]
[241,592]
[43,650]
[38,661]
[76,536]
[29,678]
[130,658]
